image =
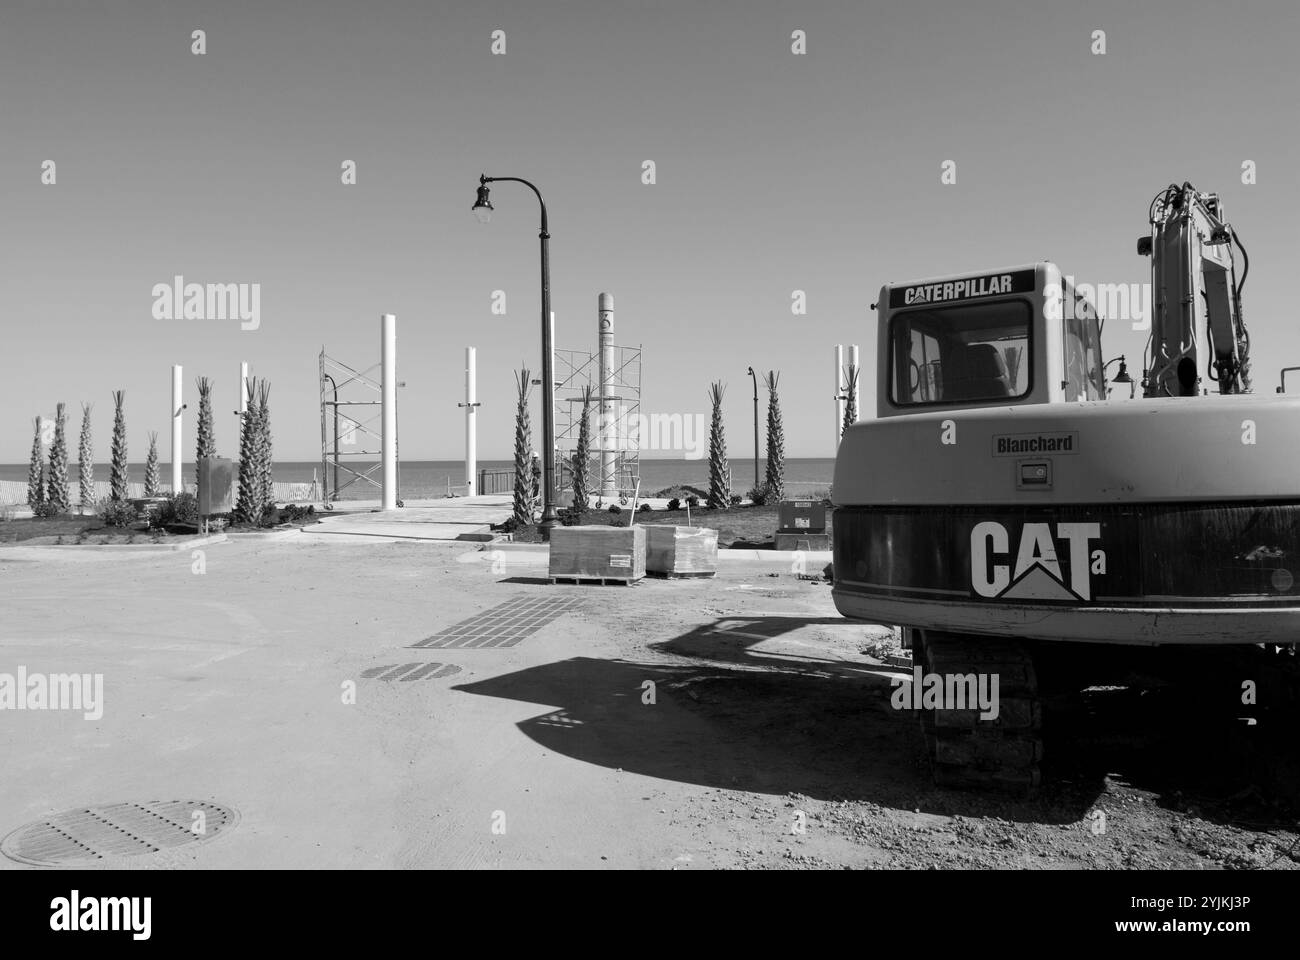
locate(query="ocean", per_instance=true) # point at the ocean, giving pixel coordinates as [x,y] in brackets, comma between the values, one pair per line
[426,479]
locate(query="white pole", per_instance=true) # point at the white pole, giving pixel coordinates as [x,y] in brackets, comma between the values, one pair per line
[839,392]
[857,384]
[177,406]
[471,404]
[243,391]
[608,440]
[388,454]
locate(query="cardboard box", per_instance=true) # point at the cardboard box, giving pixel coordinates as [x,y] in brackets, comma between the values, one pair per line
[215,480]
[598,553]
[681,551]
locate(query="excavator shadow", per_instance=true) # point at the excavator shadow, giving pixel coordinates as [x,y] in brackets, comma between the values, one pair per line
[741,704]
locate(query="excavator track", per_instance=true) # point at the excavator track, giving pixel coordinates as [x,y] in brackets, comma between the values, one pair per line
[966,752]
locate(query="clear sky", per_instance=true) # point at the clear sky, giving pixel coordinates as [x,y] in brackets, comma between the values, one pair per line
[775,173]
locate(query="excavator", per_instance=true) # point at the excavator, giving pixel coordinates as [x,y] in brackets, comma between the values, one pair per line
[1012,517]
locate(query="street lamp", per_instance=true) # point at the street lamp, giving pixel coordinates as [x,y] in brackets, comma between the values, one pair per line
[483,210]
[754,376]
[1122,376]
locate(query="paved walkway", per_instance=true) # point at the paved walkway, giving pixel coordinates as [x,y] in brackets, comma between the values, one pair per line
[441,519]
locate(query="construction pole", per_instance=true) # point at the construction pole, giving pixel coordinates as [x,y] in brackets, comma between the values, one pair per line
[177,406]
[754,377]
[324,472]
[608,421]
[471,439]
[388,450]
[839,393]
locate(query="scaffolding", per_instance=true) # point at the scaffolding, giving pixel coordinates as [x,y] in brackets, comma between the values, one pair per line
[342,387]
[576,370]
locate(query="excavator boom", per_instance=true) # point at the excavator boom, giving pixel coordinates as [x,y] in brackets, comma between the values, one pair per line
[1197,331]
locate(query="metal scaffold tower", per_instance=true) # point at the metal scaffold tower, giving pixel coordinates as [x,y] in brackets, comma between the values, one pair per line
[351,435]
[576,370]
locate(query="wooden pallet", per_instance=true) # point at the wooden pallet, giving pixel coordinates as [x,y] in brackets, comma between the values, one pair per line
[603,581]
[681,575]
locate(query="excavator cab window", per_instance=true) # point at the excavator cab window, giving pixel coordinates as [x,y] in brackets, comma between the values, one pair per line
[1081,336]
[974,353]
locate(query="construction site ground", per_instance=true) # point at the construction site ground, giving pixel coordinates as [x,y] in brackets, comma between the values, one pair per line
[730,722]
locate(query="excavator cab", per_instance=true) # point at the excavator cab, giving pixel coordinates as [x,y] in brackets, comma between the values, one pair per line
[1020,336]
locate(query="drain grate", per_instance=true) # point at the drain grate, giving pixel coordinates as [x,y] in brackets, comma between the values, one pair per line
[90,835]
[503,625]
[411,671]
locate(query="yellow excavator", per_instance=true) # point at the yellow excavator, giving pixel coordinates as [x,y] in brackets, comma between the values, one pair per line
[1011,517]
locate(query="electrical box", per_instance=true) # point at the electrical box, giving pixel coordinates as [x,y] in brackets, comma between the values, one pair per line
[215,480]
[801,516]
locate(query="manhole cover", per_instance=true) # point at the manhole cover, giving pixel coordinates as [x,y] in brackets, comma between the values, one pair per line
[503,625]
[89,835]
[411,671]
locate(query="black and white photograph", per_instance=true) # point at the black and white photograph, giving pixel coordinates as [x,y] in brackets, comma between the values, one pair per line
[648,436]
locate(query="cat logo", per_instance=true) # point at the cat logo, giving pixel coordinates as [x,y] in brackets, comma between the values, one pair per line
[1037,573]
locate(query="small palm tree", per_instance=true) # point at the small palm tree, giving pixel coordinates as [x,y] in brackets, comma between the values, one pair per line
[851,393]
[86,459]
[118,474]
[36,471]
[775,440]
[582,456]
[719,468]
[57,493]
[151,481]
[523,503]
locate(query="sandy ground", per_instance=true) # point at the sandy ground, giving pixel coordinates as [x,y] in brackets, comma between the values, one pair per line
[764,739]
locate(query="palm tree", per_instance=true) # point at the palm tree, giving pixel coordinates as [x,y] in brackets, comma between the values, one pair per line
[719,468]
[248,508]
[851,394]
[266,466]
[36,471]
[118,475]
[775,440]
[523,504]
[151,480]
[86,459]
[207,444]
[582,456]
[58,487]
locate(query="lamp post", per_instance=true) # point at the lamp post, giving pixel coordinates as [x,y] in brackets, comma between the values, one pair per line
[483,210]
[754,376]
[1122,376]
